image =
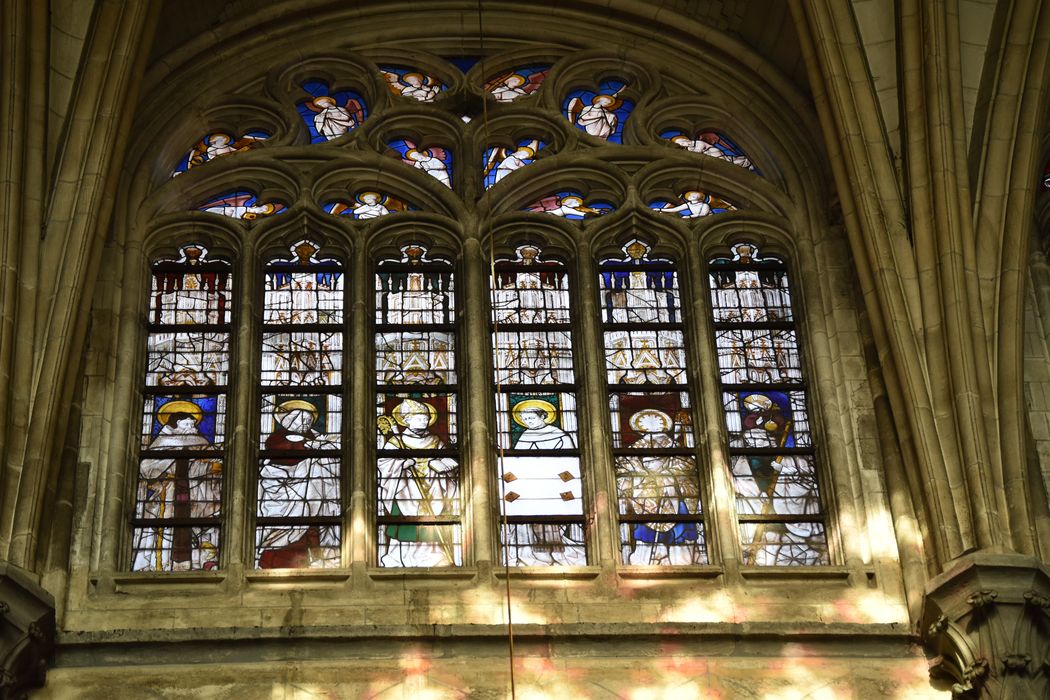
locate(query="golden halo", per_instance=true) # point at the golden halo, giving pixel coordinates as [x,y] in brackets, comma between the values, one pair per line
[635,421]
[550,412]
[361,195]
[530,149]
[188,407]
[324,97]
[757,402]
[399,411]
[422,78]
[297,405]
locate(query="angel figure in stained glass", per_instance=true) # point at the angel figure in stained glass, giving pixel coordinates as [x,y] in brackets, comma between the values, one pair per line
[566,205]
[432,160]
[417,486]
[242,205]
[368,205]
[598,118]
[711,144]
[332,120]
[412,84]
[659,485]
[218,144]
[177,487]
[294,486]
[537,417]
[694,205]
[599,114]
[520,82]
[501,162]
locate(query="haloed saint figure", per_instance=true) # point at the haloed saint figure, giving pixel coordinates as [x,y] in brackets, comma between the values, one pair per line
[417,486]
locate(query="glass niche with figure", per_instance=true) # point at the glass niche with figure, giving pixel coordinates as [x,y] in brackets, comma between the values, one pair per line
[651,408]
[538,461]
[417,455]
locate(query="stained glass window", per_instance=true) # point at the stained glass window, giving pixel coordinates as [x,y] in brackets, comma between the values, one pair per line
[176,520]
[500,161]
[218,143]
[693,205]
[432,160]
[569,205]
[517,82]
[767,418]
[541,492]
[242,205]
[327,114]
[368,205]
[653,443]
[709,143]
[417,466]
[600,113]
[299,504]
[412,83]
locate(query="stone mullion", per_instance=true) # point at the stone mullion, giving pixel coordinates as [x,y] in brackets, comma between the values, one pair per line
[599,465]
[241,463]
[359,539]
[474,372]
[721,528]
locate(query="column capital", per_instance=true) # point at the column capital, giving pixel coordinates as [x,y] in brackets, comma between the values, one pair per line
[986,625]
[27,632]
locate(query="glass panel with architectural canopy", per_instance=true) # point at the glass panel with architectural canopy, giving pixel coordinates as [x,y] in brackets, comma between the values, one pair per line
[175,525]
[771,446]
[651,408]
[417,466]
[299,504]
[541,492]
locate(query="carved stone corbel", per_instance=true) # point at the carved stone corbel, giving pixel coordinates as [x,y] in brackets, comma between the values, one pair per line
[27,632]
[986,623]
